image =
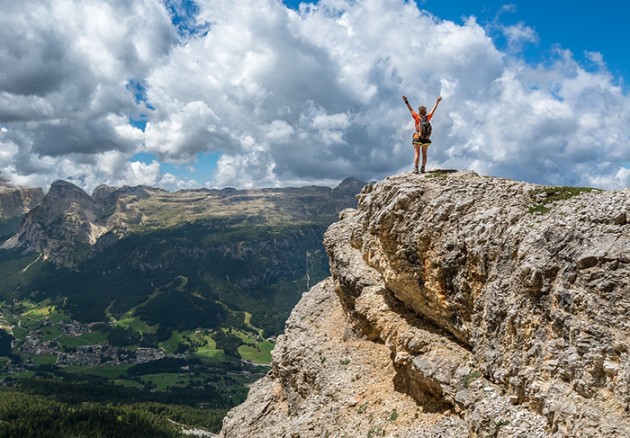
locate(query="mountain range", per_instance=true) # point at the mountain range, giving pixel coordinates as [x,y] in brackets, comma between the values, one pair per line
[123,251]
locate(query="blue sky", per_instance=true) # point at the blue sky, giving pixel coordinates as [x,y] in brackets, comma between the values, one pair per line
[213,93]
[577,25]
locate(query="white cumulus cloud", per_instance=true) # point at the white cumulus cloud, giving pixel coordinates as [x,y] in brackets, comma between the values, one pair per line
[289,97]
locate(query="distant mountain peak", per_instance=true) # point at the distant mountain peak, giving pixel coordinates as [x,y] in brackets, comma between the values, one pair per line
[348,186]
[63,184]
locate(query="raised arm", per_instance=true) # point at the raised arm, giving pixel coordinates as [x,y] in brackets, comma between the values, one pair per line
[407,103]
[439,99]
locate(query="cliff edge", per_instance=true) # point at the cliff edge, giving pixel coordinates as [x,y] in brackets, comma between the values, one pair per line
[459,305]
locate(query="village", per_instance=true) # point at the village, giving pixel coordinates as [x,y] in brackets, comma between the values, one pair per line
[35,345]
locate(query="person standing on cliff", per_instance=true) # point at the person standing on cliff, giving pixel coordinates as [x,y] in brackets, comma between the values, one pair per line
[421,136]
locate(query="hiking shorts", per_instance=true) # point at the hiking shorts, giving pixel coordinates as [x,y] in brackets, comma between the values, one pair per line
[419,141]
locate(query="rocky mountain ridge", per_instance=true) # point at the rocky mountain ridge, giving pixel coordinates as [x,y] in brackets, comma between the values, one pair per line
[459,305]
[69,225]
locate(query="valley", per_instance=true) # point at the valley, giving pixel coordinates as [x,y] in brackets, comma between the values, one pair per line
[64,359]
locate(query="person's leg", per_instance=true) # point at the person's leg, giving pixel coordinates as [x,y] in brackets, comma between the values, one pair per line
[424,156]
[416,158]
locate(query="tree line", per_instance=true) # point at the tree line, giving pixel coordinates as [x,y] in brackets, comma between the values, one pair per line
[26,415]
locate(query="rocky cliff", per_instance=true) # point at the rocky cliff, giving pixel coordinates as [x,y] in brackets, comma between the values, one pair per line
[459,305]
[15,202]
[63,227]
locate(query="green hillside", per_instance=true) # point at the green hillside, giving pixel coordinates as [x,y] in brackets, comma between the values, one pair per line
[230,267]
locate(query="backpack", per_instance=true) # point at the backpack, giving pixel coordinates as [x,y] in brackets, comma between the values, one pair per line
[425,128]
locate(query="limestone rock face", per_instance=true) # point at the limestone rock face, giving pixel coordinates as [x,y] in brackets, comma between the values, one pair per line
[17,201]
[459,305]
[65,225]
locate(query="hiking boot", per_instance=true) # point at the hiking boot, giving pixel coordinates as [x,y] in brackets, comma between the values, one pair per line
[421,170]
[415,170]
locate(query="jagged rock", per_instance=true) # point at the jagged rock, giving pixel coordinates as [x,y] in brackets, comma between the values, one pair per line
[460,307]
